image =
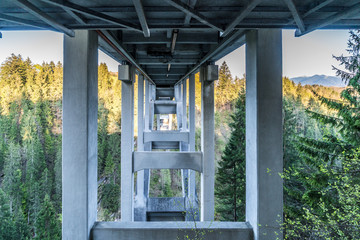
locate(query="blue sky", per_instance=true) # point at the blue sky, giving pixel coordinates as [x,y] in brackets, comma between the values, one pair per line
[304,56]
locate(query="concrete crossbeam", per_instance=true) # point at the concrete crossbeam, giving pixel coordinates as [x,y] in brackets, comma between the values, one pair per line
[171,230]
[264,148]
[165,92]
[165,107]
[79,138]
[169,136]
[165,145]
[168,160]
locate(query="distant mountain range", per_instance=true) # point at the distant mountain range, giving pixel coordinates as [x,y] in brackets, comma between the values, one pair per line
[323,80]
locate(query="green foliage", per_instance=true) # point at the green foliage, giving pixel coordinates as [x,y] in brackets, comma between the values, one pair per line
[48,225]
[30,147]
[111,197]
[323,184]
[230,177]
[12,225]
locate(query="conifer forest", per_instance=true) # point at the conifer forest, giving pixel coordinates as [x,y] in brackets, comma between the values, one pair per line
[321,139]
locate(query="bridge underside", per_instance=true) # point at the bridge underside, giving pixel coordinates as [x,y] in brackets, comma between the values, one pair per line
[164,43]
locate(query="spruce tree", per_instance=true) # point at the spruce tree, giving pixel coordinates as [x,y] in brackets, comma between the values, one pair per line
[328,171]
[230,177]
[48,225]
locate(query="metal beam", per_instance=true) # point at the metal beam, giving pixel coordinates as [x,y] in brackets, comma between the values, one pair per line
[332,19]
[161,38]
[192,4]
[224,43]
[296,15]
[163,71]
[242,15]
[141,15]
[23,21]
[165,78]
[161,61]
[317,7]
[32,9]
[92,13]
[193,13]
[115,44]
[76,16]
[168,160]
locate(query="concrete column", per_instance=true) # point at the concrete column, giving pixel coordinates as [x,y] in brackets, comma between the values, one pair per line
[152,109]
[192,112]
[140,198]
[207,147]
[177,89]
[147,105]
[184,107]
[127,146]
[264,154]
[79,139]
[140,139]
[192,183]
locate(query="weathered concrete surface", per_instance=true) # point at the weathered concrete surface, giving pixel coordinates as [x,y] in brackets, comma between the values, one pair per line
[264,153]
[171,230]
[79,139]
[127,147]
[207,147]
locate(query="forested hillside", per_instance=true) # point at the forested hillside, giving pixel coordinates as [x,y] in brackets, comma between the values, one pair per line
[30,142]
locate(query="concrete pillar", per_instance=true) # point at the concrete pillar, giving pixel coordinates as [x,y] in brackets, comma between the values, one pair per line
[141,123]
[178,96]
[192,183]
[147,106]
[184,107]
[152,107]
[79,139]
[127,147]
[264,154]
[141,190]
[207,147]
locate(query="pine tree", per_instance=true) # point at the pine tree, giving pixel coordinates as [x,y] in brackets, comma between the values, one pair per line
[48,225]
[230,177]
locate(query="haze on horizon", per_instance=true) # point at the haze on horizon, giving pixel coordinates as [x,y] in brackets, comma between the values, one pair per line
[304,56]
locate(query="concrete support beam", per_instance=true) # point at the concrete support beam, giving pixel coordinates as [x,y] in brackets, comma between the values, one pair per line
[127,147]
[169,136]
[165,107]
[264,154]
[207,147]
[79,139]
[167,160]
[171,230]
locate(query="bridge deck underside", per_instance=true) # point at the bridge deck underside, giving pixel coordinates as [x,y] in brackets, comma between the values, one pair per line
[168,39]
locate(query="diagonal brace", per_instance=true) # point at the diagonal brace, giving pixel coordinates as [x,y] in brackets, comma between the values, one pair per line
[32,9]
[92,13]
[193,13]
[242,15]
[141,15]
[296,15]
